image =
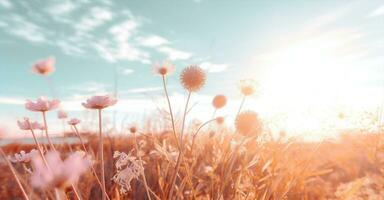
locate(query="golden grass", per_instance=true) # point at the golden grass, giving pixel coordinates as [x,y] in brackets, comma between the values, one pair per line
[223,165]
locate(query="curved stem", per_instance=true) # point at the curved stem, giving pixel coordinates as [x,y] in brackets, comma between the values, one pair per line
[198,130]
[170,112]
[92,168]
[101,149]
[14,174]
[46,132]
[180,157]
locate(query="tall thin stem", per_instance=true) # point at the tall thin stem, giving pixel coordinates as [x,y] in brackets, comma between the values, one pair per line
[241,105]
[14,174]
[46,132]
[101,149]
[170,111]
[141,163]
[93,169]
[180,157]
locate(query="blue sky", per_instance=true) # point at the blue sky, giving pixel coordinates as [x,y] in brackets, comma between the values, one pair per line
[302,53]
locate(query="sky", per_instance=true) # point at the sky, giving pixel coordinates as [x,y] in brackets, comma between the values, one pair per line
[311,59]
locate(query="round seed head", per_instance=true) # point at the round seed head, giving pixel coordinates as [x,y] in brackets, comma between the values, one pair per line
[219,101]
[248,124]
[192,78]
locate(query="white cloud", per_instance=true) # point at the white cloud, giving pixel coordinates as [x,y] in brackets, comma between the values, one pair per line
[69,48]
[122,32]
[27,30]
[6,4]
[145,89]
[128,71]
[213,68]
[12,100]
[62,8]
[96,17]
[89,87]
[121,46]
[152,41]
[377,12]
[175,54]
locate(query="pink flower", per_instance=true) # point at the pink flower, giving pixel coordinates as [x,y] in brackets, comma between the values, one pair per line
[61,114]
[42,105]
[100,102]
[164,68]
[44,67]
[29,125]
[59,174]
[23,157]
[74,121]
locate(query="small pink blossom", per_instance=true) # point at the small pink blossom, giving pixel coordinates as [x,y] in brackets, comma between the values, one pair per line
[59,174]
[73,121]
[44,67]
[42,104]
[61,114]
[23,157]
[164,68]
[100,102]
[29,125]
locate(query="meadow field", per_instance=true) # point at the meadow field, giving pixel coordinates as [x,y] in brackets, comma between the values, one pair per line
[171,158]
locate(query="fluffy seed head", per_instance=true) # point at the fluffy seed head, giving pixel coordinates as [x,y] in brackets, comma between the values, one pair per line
[248,124]
[220,120]
[247,87]
[133,129]
[219,101]
[192,78]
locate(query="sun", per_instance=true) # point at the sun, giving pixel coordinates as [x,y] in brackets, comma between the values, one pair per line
[304,78]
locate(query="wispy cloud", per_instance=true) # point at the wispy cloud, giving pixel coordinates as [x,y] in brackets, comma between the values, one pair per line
[96,17]
[89,87]
[62,8]
[6,4]
[174,54]
[377,12]
[12,100]
[152,41]
[213,68]
[144,90]
[127,71]
[26,30]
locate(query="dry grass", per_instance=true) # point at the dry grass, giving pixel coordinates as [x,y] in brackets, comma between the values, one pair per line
[223,165]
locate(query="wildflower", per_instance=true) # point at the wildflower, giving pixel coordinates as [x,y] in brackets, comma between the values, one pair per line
[61,114]
[28,125]
[192,78]
[247,87]
[44,67]
[219,101]
[127,169]
[42,105]
[247,123]
[58,173]
[100,102]
[23,156]
[73,121]
[164,68]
